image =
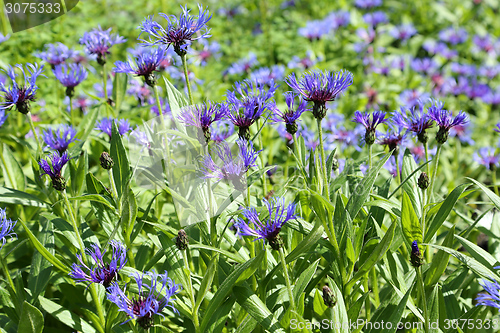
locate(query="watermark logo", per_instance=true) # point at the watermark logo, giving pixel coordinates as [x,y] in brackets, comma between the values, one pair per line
[26,14]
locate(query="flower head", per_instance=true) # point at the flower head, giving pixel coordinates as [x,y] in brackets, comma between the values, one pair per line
[17,95]
[487,157]
[56,54]
[229,168]
[414,120]
[416,256]
[100,272]
[492,295]
[180,31]
[377,118]
[221,130]
[147,62]
[292,114]
[98,42]
[60,138]
[3,117]
[393,138]
[106,124]
[320,87]
[70,76]
[243,65]
[156,293]
[267,225]
[6,227]
[203,115]
[403,32]
[445,120]
[54,169]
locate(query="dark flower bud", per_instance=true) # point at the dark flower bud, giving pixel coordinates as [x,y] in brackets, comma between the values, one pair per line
[335,164]
[370,137]
[70,92]
[244,133]
[59,183]
[319,110]
[150,80]
[328,297]
[276,242]
[292,128]
[106,161]
[442,135]
[182,240]
[101,60]
[423,137]
[416,257]
[23,106]
[423,181]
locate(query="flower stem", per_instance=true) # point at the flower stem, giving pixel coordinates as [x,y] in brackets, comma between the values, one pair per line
[105,83]
[287,279]
[434,174]
[323,159]
[114,192]
[4,19]
[259,135]
[367,300]
[6,273]
[186,75]
[398,172]
[71,111]
[427,158]
[421,288]
[494,179]
[370,156]
[39,146]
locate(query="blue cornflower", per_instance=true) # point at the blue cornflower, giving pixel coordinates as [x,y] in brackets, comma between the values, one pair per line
[393,138]
[60,138]
[231,169]
[243,65]
[320,87]
[414,120]
[497,128]
[375,18]
[98,42]
[367,4]
[304,63]
[487,157]
[290,116]
[70,76]
[20,96]
[492,295]
[147,62]
[267,76]
[6,227]
[105,126]
[267,225]
[56,54]
[453,36]
[165,108]
[403,32]
[416,256]
[202,116]
[210,50]
[100,272]
[153,297]
[254,99]
[378,117]
[221,130]
[445,120]
[180,31]
[314,30]
[54,169]
[3,117]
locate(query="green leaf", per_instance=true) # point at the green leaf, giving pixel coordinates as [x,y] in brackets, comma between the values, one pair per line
[86,127]
[304,279]
[439,261]
[409,221]
[495,199]
[121,167]
[444,211]
[377,254]
[230,255]
[433,309]
[226,287]
[78,173]
[11,196]
[129,212]
[31,320]
[478,253]
[12,171]
[338,312]
[119,89]
[390,312]
[252,304]
[411,186]
[176,101]
[95,198]
[43,251]
[65,316]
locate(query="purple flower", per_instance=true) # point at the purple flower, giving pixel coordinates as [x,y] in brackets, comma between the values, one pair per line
[492,97]
[375,18]
[463,132]
[414,120]
[56,54]
[390,165]
[210,50]
[165,108]
[202,116]
[490,72]
[418,151]
[6,227]
[105,126]
[267,76]
[3,38]
[70,76]
[411,97]
[98,42]
[221,130]
[17,95]
[3,117]
[314,30]
[393,138]
[252,101]
[486,156]
[338,19]
[367,4]
[484,43]
[100,272]
[377,118]
[243,65]
[416,257]
[453,36]
[155,294]
[403,32]
[147,62]
[60,138]
[425,65]
[54,169]
[463,69]
[492,295]
[304,63]
[445,120]
[497,128]
[140,91]
[291,115]
[231,169]
[266,225]
[346,138]
[180,31]
[320,87]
